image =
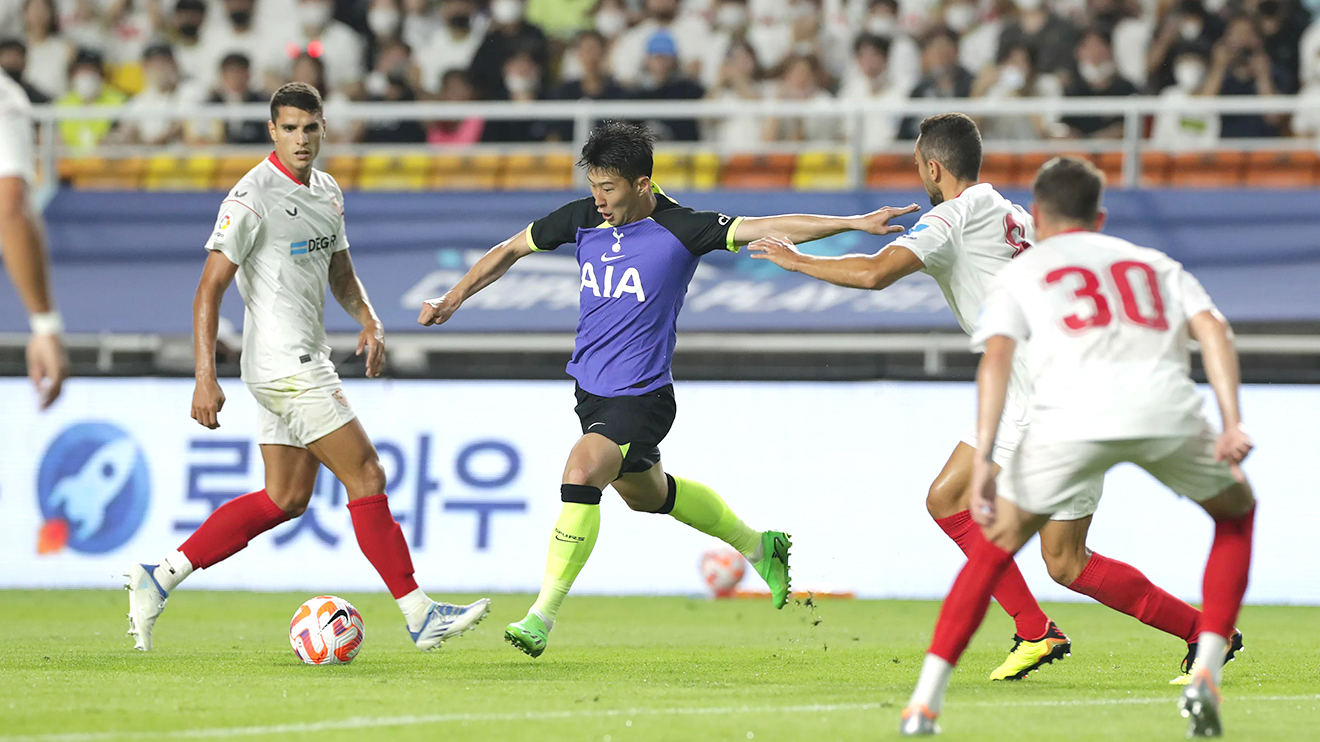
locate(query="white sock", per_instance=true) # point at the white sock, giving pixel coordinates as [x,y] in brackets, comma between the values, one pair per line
[414,606]
[1210,653]
[935,674]
[173,569]
[549,622]
[757,553]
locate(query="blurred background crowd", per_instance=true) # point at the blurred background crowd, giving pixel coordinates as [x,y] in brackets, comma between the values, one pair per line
[169,52]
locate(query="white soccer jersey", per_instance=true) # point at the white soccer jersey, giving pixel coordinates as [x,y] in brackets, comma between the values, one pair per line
[16,158]
[964,243]
[281,233]
[1104,326]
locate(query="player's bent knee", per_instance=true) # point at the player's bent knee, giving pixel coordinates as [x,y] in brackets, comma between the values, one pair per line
[293,503]
[581,494]
[943,500]
[1064,568]
[1234,502]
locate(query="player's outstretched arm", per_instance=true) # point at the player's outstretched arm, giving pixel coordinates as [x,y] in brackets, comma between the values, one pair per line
[873,272]
[24,247]
[799,228]
[492,265]
[1220,358]
[208,399]
[352,296]
[991,390]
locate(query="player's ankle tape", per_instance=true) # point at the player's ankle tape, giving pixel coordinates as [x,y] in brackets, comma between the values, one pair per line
[668,507]
[583,494]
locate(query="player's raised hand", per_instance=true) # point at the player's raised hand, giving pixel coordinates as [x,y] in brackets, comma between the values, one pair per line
[877,222]
[208,400]
[372,340]
[983,493]
[48,366]
[777,250]
[437,311]
[1233,446]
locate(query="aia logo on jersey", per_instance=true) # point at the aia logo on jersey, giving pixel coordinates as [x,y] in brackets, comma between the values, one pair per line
[312,245]
[607,287]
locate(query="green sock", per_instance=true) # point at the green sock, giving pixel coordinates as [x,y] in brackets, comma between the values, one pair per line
[698,506]
[574,537]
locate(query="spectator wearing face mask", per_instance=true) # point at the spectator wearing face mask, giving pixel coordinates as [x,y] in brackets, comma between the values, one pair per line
[48,52]
[1014,77]
[1281,24]
[163,90]
[1051,37]
[978,36]
[730,23]
[611,19]
[235,31]
[881,20]
[510,34]
[741,78]
[942,76]
[592,82]
[1175,129]
[453,44]
[870,81]
[185,34]
[334,42]
[384,25]
[1097,76]
[690,36]
[1184,25]
[1130,30]
[392,81]
[663,78]
[1240,66]
[87,87]
[235,89]
[804,80]
[13,62]
[454,88]
[524,83]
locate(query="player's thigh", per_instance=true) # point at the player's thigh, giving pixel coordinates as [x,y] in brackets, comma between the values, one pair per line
[1187,466]
[1061,479]
[949,493]
[645,491]
[1013,526]
[594,461]
[290,476]
[1063,547]
[349,454]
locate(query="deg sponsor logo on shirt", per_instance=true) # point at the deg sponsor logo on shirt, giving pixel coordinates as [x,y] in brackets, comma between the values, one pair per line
[312,245]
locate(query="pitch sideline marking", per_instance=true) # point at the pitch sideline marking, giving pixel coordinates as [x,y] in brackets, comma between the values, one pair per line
[400,721]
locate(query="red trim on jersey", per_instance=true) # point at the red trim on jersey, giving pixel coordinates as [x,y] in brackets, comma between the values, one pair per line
[1070,230]
[937,216]
[240,203]
[275,160]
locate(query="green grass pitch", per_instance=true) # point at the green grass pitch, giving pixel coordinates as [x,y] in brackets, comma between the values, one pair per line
[617,670]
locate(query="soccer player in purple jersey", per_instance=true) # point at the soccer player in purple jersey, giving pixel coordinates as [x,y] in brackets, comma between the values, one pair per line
[637,250]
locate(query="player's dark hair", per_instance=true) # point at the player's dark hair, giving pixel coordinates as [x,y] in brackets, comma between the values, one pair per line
[1069,188]
[298,95]
[621,148]
[952,140]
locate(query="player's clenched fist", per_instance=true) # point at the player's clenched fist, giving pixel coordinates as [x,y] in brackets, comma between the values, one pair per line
[437,311]
[208,400]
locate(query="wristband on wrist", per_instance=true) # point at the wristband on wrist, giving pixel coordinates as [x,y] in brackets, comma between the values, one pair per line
[47,323]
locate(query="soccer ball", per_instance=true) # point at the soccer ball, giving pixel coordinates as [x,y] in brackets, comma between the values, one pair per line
[326,631]
[722,569]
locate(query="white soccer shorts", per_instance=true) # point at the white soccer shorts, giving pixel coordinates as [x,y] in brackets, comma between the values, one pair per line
[1063,479]
[300,409]
[1012,425]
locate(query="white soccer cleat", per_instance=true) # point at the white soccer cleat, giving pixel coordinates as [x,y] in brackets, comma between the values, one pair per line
[146,601]
[446,621]
[1199,704]
[918,721]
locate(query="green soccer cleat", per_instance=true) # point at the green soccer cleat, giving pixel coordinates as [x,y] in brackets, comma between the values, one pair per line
[529,635]
[773,565]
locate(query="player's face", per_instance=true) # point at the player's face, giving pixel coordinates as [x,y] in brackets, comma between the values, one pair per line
[617,200]
[297,135]
[923,169]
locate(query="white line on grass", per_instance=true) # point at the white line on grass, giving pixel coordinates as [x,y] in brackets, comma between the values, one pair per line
[407,721]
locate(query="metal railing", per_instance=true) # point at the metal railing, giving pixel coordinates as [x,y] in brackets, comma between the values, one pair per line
[851,113]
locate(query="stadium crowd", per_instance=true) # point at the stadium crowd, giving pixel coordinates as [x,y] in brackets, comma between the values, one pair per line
[154,52]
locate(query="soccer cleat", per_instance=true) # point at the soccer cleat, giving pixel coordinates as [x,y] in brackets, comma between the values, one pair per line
[446,621]
[918,721]
[773,565]
[1199,704]
[1027,656]
[146,601]
[1189,662]
[528,635]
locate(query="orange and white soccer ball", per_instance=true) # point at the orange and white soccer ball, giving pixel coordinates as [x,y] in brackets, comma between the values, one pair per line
[326,631]
[723,569]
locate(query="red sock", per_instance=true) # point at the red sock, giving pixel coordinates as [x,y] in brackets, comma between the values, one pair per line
[1012,592]
[1226,574]
[1125,589]
[381,540]
[968,600]
[229,529]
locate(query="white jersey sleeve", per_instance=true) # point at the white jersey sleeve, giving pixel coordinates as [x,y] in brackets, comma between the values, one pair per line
[237,230]
[931,239]
[1002,314]
[342,242]
[16,155]
[1193,295]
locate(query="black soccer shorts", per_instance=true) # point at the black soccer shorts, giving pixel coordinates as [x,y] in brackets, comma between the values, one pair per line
[640,423]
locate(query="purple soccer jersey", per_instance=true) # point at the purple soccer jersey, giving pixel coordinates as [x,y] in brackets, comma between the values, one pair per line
[634,280]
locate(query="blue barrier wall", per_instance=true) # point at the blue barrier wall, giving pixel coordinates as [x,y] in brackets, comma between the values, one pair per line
[128,262]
